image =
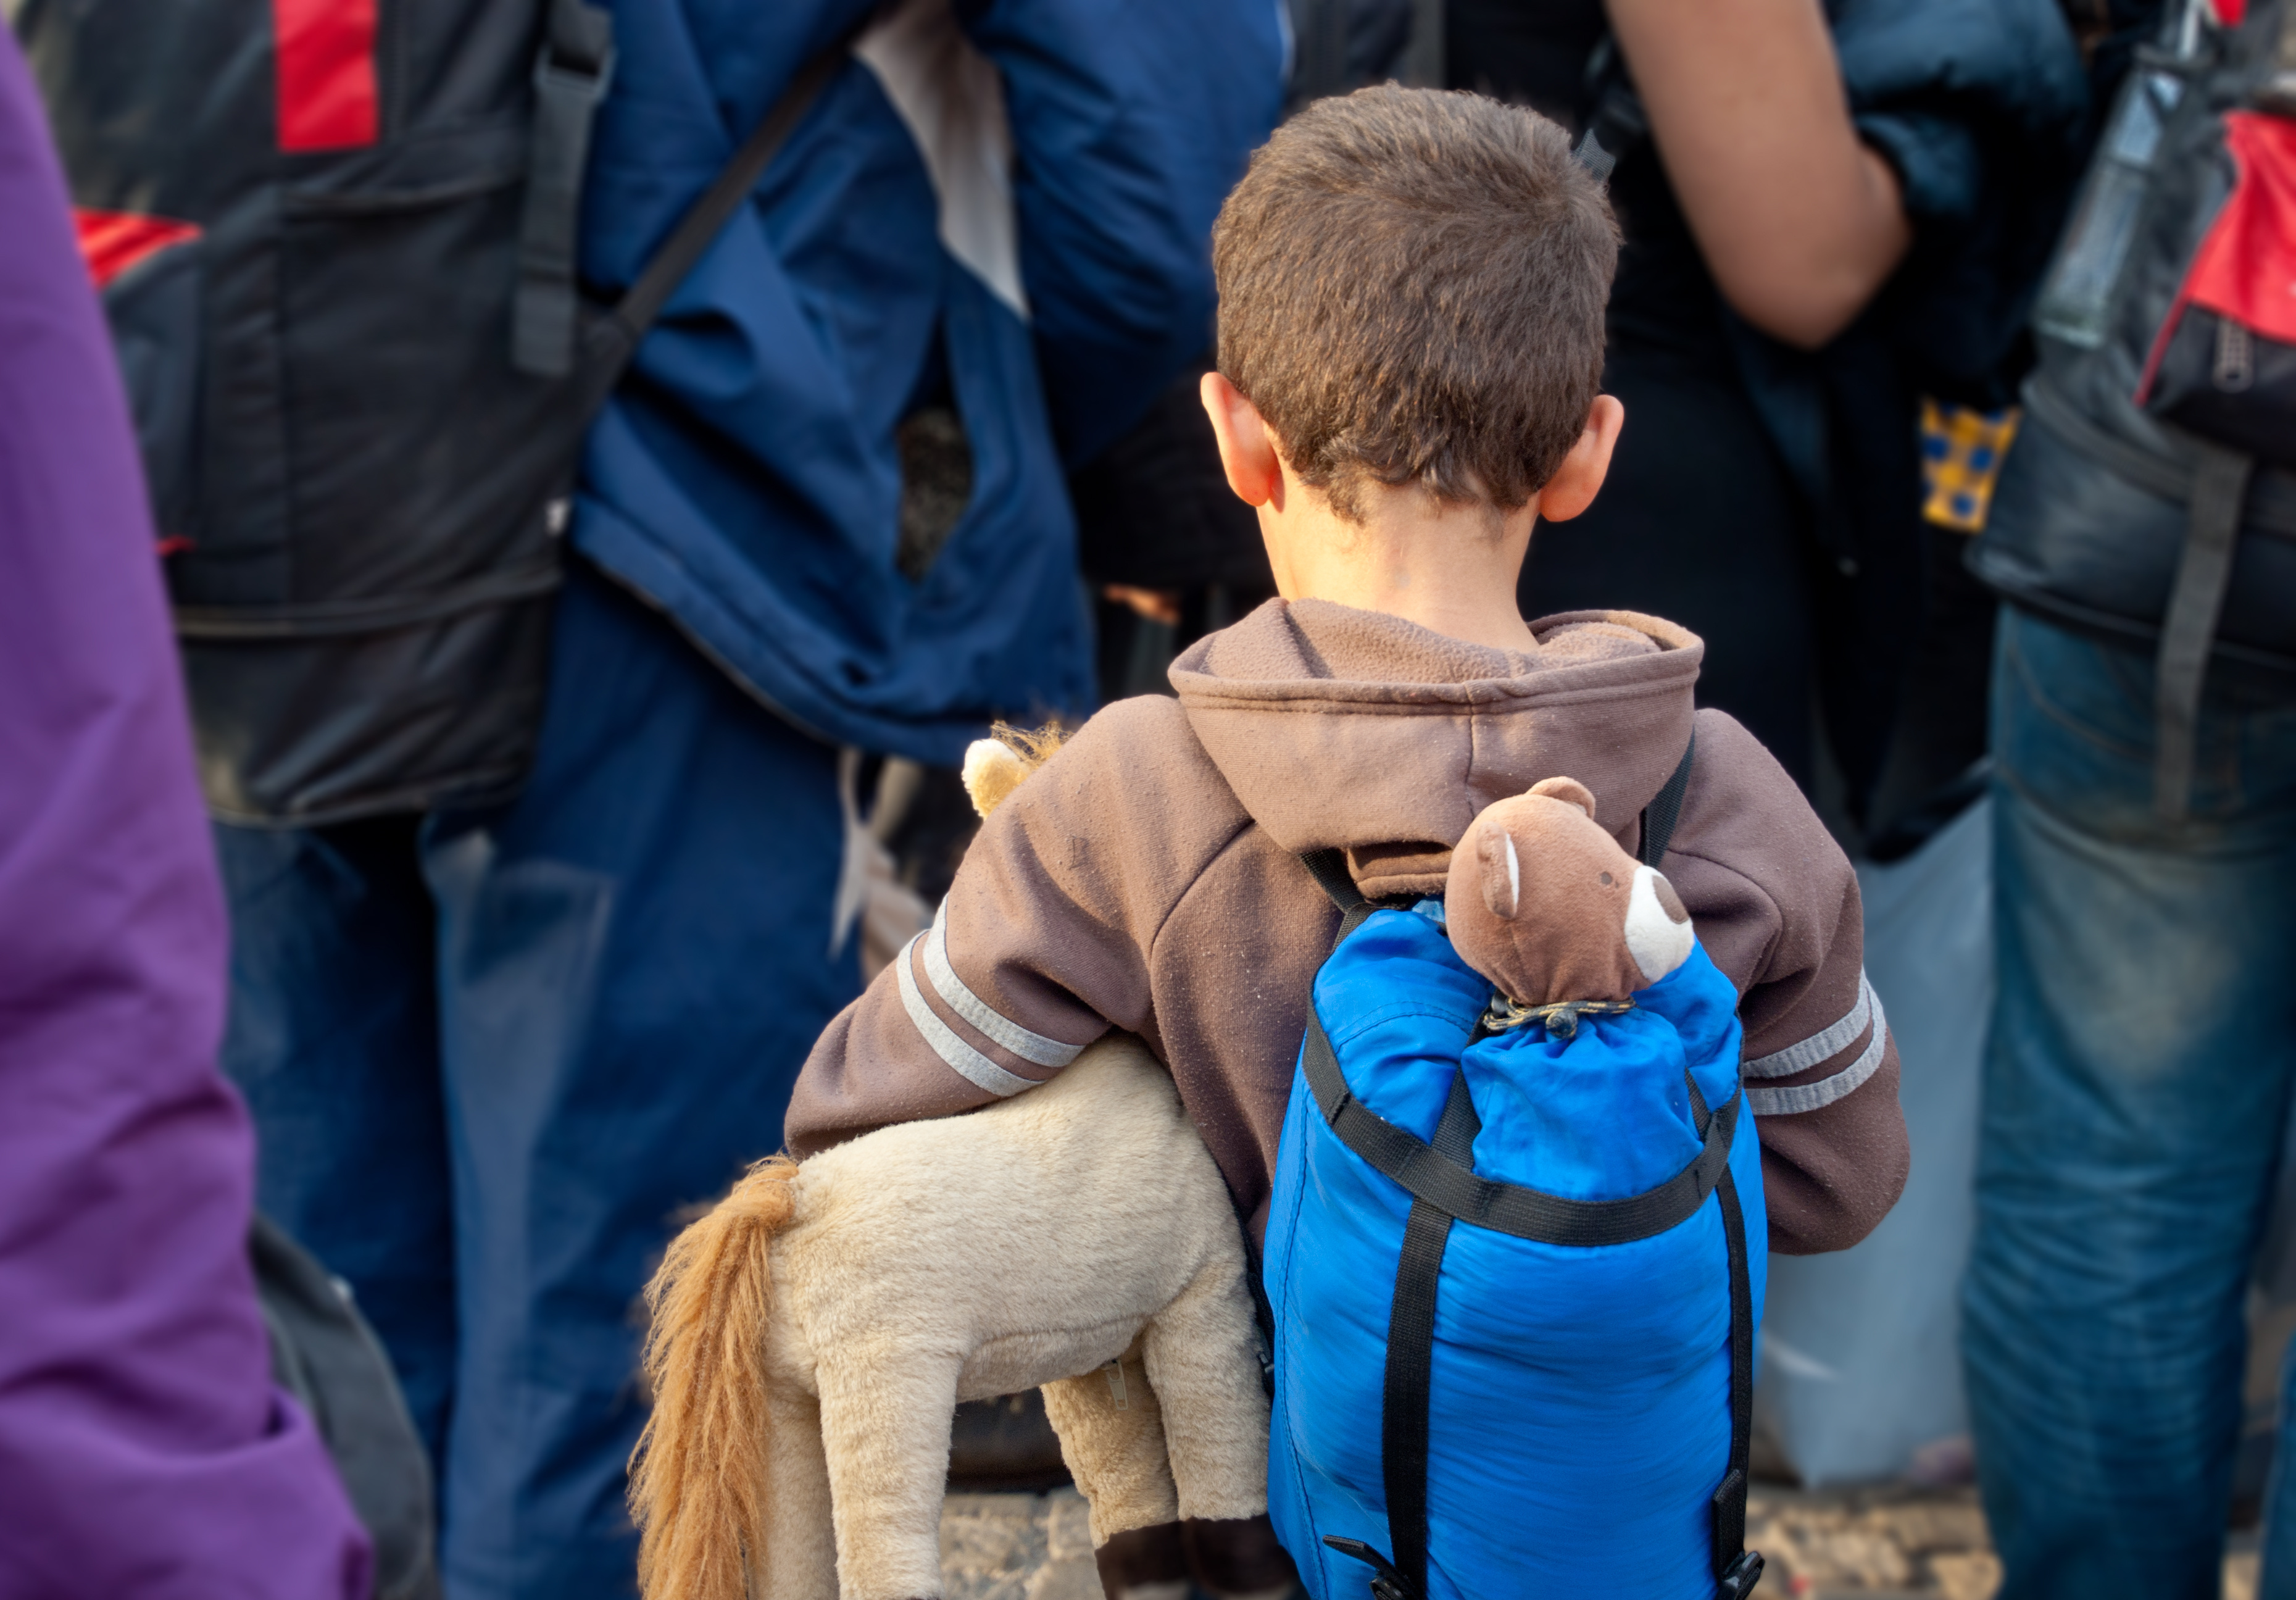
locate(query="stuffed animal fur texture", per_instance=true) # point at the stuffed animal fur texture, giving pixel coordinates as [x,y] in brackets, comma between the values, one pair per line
[812,1334]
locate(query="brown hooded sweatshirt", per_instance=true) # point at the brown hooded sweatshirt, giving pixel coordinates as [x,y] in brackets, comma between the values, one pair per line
[1147,878]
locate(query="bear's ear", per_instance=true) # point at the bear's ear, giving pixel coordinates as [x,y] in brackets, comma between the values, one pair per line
[1569,791]
[1502,870]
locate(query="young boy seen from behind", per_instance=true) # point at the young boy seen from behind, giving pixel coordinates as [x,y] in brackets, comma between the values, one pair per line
[1411,289]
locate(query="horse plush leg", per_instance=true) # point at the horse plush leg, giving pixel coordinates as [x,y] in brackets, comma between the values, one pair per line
[800,1554]
[884,1425]
[1115,1450]
[1202,1355]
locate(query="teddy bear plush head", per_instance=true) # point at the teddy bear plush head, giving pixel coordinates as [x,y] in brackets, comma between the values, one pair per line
[1545,905]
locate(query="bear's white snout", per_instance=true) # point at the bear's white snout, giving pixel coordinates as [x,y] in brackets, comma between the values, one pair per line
[1658,929]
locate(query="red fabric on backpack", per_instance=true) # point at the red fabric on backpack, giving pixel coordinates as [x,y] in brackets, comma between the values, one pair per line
[112,241]
[326,88]
[2245,269]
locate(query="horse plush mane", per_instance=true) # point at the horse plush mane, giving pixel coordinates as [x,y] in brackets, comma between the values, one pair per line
[812,1334]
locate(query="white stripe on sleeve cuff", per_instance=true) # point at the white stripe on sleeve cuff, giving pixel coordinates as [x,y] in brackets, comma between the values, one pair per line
[961,1058]
[1764,1101]
[993,1024]
[1818,1047]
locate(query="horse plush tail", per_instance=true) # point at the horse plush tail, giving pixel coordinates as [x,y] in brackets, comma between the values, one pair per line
[698,1478]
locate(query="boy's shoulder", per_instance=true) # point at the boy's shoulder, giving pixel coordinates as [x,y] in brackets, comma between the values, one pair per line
[1765,881]
[1131,754]
[1131,795]
[1742,809]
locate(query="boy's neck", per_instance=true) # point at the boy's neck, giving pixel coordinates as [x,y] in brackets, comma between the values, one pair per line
[1451,568]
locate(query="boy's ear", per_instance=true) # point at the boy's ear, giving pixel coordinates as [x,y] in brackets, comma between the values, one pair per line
[1247,448]
[1575,483]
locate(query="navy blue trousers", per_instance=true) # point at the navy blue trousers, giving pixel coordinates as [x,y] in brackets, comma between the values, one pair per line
[491,1056]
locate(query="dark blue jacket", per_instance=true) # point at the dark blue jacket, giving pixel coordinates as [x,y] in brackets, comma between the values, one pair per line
[745,476]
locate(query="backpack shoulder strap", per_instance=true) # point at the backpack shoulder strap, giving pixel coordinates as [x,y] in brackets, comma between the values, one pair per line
[2188,628]
[728,191]
[1665,809]
[611,341]
[1329,868]
[571,77]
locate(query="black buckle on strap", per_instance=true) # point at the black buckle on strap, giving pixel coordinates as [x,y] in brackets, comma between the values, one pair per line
[1740,1577]
[589,76]
[1386,1582]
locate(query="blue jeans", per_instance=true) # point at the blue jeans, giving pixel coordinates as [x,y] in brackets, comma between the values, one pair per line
[492,1055]
[2136,1093]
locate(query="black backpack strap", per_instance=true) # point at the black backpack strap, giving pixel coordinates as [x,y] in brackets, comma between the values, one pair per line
[2189,628]
[1736,1568]
[1409,1382]
[1329,868]
[1665,809]
[571,77]
[699,228]
[609,342]
[1617,123]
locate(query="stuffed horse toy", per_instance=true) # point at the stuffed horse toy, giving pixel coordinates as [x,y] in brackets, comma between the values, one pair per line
[812,1334]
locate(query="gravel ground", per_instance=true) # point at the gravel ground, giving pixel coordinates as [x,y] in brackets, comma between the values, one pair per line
[1018,1548]
[1873,1543]
[1888,1542]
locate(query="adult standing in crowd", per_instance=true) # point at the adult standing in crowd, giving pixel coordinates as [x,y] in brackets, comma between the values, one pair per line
[1829,211]
[496,1041]
[2141,1055]
[143,1448]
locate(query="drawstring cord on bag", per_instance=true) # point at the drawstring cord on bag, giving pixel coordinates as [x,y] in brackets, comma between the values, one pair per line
[1562,1018]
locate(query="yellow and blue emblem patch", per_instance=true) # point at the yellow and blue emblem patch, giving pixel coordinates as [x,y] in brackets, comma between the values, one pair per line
[1960,459]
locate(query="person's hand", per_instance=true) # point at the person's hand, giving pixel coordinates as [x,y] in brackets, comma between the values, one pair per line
[1799,221]
[1158,605]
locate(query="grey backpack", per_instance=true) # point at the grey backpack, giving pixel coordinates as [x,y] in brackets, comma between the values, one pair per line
[2151,494]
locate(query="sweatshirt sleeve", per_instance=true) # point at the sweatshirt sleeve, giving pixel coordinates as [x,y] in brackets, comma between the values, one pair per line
[1775,903]
[1041,947]
[143,1449]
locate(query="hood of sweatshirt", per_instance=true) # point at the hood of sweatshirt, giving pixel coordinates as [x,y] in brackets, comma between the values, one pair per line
[1357,729]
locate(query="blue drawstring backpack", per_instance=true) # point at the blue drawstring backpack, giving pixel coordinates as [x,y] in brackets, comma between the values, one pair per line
[1514,1279]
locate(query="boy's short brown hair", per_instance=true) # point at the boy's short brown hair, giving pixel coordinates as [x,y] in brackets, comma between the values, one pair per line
[1412,283]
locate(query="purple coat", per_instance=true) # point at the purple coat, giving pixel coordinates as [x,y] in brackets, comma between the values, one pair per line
[143,1451]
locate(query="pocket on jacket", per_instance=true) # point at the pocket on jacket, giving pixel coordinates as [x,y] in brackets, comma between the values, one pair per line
[395,332]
